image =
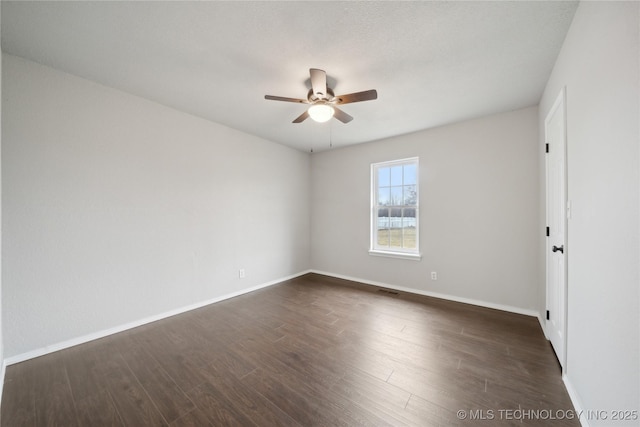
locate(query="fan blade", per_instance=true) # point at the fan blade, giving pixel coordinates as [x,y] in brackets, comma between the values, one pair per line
[301,118]
[367,95]
[341,115]
[318,82]
[282,98]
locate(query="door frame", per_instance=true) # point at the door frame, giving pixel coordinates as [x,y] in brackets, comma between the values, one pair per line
[559,103]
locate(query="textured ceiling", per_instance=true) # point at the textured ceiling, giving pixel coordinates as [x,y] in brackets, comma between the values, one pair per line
[432,63]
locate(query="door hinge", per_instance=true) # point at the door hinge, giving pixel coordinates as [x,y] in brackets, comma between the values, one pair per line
[547,314]
[546,148]
[547,231]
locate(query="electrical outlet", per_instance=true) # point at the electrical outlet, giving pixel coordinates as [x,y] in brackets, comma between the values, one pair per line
[434,275]
[241,273]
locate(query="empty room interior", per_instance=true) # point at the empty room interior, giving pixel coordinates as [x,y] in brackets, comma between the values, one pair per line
[188,241]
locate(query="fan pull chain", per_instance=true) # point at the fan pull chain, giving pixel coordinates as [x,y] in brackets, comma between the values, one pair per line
[331,134]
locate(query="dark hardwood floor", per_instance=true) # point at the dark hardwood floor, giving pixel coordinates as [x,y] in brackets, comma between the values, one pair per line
[310,351]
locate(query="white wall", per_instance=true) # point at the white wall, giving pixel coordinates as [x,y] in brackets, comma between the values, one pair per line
[599,65]
[2,364]
[116,208]
[479,217]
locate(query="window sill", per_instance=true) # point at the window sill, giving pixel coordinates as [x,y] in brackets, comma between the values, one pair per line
[402,255]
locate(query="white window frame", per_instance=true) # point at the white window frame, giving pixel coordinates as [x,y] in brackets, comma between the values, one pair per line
[374,249]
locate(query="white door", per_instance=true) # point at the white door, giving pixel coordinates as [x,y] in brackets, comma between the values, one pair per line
[555,138]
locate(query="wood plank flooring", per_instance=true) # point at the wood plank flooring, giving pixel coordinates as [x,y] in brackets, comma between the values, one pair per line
[312,351]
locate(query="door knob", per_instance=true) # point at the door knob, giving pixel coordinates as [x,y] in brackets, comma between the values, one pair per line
[558,248]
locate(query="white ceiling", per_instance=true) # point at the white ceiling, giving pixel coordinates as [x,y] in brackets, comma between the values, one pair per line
[432,63]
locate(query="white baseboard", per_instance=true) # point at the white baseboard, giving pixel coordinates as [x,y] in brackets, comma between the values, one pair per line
[101,334]
[577,403]
[543,325]
[486,304]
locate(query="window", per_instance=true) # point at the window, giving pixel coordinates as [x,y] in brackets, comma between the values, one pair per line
[394,209]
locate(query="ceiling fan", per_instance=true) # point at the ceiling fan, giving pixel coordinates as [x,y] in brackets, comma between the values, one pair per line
[323,101]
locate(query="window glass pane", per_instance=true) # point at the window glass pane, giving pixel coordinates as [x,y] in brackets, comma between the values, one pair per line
[384,196]
[383,237]
[410,195]
[396,175]
[395,237]
[384,177]
[382,229]
[396,196]
[409,229]
[409,214]
[409,237]
[395,217]
[409,172]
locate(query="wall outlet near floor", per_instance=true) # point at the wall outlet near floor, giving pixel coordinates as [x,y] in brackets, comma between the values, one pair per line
[241,273]
[434,275]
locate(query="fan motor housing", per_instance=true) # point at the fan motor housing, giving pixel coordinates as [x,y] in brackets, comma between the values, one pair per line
[313,98]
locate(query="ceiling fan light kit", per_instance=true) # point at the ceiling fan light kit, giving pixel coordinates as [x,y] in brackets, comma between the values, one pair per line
[323,101]
[321,112]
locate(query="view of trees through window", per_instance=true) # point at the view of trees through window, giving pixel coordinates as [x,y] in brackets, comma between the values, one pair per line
[396,205]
